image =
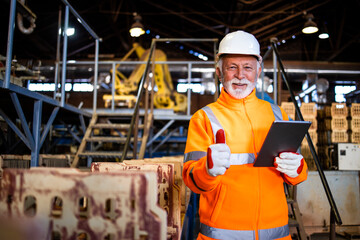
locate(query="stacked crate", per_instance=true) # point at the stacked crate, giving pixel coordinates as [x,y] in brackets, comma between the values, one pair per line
[289,108]
[309,113]
[355,122]
[337,122]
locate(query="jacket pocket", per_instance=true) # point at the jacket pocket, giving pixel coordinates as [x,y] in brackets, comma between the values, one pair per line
[218,204]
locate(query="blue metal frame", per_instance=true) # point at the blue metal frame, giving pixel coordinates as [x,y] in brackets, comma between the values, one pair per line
[34,138]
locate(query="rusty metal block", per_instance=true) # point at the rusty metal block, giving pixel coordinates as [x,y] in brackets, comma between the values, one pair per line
[65,203]
[178,163]
[169,192]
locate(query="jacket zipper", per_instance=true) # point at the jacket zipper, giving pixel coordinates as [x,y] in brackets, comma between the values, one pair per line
[258,173]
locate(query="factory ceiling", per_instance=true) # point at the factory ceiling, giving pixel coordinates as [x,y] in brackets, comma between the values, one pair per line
[111,21]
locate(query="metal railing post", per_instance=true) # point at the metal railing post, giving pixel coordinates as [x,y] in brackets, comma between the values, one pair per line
[64,58]
[10,43]
[189,90]
[96,74]
[274,40]
[113,88]
[56,77]
[138,99]
[311,145]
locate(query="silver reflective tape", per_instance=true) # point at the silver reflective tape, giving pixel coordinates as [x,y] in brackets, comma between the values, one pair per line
[264,234]
[277,112]
[219,233]
[195,155]
[215,124]
[241,158]
[274,233]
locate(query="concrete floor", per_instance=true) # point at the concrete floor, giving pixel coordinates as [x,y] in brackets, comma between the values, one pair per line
[326,236]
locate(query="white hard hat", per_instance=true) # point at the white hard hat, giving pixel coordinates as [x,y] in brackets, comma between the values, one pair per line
[240,42]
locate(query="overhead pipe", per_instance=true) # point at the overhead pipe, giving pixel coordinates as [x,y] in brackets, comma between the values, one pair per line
[24,11]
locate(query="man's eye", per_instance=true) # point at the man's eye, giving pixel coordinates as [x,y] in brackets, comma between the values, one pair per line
[232,68]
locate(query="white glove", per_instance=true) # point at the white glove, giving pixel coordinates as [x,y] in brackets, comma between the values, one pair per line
[289,163]
[218,156]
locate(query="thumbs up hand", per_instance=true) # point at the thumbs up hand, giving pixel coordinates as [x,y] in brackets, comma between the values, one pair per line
[218,156]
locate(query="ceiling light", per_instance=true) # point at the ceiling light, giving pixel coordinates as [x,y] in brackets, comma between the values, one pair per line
[324,35]
[70,31]
[310,26]
[137,29]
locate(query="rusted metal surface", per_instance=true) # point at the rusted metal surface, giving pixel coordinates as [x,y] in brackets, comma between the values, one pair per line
[64,203]
[313,203]
[168,192]
[178,164]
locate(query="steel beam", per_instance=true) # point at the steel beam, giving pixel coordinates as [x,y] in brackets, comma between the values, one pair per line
[160,132]
[23,120]
[48,125]
[15,128]
[37,115]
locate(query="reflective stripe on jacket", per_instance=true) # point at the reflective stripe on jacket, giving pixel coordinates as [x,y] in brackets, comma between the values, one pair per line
[245,200]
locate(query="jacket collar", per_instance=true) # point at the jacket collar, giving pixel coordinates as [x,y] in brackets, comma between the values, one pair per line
[228,101]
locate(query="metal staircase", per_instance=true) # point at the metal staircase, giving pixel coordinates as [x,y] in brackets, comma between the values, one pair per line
[295,219]
[106,136]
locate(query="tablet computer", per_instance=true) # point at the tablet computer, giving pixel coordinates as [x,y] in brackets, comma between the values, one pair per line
[283,136]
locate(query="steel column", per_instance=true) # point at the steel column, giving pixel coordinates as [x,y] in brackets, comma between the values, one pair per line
[56,77]
[10,43]
[37,115]
[64,59]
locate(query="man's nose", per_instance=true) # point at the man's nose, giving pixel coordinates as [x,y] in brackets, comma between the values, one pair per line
[239,73]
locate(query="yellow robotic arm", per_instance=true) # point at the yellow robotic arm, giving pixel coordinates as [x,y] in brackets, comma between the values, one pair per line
[166,97]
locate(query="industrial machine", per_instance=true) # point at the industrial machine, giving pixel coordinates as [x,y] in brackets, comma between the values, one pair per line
[165,97]
[347,156]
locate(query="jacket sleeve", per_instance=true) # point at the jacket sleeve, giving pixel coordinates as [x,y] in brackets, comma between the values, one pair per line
[199,138]
[302,176]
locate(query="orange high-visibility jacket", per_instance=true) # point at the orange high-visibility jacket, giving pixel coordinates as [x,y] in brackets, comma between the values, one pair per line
[246,202]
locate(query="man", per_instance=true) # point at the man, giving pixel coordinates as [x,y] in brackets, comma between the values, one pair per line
[238,200]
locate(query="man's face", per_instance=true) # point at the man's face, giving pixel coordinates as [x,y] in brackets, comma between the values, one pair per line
[239,74]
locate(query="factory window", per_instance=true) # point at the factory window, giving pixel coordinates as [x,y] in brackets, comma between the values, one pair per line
[30,206]
[50,87]
[340,92]
[56,206]
[195,87]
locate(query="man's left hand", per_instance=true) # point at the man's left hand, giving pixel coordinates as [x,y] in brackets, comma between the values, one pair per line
[289,163]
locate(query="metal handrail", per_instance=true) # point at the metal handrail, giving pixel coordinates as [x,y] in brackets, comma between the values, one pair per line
[138,99]
[325,184]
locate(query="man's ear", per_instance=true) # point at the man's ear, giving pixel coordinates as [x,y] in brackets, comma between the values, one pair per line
[259,72]
[218,73]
